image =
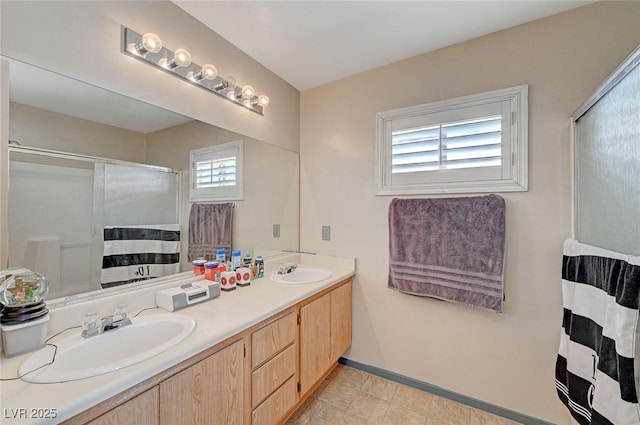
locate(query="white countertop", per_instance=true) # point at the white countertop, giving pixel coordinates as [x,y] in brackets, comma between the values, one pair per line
[217,320]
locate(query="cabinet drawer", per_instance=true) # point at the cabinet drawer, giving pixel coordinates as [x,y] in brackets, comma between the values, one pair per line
[269,412]
[272,338]
[272,374]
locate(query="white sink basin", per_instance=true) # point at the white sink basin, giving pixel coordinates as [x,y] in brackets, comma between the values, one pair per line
[301,275]
[79,358]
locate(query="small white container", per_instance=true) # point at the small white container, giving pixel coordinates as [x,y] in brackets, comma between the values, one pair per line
[228,281]
[25,337]
[243,276]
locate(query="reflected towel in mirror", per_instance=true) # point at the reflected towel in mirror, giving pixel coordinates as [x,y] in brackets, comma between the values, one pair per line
[209,230]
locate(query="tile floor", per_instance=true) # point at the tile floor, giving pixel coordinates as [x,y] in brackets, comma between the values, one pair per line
[352,397]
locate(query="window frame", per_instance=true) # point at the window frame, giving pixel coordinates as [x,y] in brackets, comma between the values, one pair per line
[514,169]
[221,193]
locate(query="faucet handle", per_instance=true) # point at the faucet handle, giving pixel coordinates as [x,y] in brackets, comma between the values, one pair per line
[120,313]
[90,324]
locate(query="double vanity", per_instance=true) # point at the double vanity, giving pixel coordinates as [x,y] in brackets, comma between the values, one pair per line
[250,356]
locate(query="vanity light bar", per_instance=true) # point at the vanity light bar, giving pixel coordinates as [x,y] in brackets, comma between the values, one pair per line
[148,48]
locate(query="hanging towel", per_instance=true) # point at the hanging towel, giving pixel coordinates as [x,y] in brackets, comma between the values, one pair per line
[449,248]
[133,253]
[595,363]
[209,229]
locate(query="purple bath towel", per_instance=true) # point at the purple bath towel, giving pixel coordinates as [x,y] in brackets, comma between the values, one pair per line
[449,248]
[209,230]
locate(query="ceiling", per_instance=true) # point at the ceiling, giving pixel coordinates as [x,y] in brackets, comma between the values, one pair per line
[309,43]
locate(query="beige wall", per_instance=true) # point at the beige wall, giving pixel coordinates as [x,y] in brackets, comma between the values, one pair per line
[81,39]
[271,185]
[504,359]
[35,127]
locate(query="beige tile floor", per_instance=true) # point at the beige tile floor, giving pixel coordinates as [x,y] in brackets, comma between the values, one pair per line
[352,397]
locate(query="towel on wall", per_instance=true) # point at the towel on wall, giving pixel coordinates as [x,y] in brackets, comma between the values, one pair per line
[451,249]
[133,253]
[209,229]
[595,363]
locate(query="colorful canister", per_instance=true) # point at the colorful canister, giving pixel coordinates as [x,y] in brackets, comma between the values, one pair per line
[260,264]
[243,276]
[228,281]
[198,266]
[210,270]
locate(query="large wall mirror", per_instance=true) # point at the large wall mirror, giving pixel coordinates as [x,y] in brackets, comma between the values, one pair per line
[83,158]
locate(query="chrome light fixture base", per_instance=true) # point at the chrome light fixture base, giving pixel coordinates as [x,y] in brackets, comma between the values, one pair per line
[131,41]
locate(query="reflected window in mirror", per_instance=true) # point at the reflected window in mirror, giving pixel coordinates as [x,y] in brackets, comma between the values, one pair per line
[217,173]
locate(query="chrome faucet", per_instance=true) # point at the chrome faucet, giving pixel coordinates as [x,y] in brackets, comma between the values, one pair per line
[286,268]
[92,326]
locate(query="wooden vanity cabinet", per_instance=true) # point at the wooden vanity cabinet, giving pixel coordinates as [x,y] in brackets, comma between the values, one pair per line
[142,409]
[209,392]
[274,356]
[315,341]
[257,377]
[325,334]
[341,322]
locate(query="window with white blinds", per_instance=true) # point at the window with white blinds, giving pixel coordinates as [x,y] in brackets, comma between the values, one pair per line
[216,173]
[475,143]
[465,144]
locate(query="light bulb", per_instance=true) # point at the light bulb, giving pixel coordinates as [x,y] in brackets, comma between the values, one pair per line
[151,43]
[232,94]
[180,58]
[248,92]
[263,100]
[208,72]
[231,82]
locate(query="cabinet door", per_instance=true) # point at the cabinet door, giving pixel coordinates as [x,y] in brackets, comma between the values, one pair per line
[209,392]
[340,321]
[142,409]
[315,346]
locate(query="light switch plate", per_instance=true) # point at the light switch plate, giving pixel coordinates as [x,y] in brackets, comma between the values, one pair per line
[326,233]
[276,230]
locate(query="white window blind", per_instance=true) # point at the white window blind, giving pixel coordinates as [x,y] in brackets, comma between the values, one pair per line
[474,143]
[464,144]
[216,173]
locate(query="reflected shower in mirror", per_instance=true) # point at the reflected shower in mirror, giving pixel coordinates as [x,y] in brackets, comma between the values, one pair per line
[56,113]
[61,207]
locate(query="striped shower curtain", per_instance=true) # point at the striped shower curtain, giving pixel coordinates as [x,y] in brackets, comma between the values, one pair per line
[595,374]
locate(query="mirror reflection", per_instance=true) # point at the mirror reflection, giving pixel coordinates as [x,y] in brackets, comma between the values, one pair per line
[125,164]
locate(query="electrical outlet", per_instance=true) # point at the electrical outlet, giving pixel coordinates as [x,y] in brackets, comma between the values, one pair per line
[326,233]
[276,230]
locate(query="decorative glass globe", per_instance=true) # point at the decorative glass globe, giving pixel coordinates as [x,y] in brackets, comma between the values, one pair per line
[23,288]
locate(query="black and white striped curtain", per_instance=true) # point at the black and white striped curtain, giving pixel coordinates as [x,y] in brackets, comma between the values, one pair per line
[595,374]
[134,253]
